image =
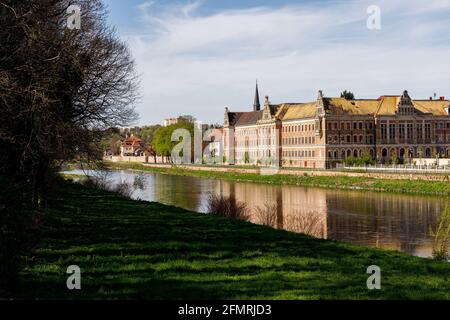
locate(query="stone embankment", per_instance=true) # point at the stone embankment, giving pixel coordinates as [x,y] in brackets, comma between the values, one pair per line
[320,173]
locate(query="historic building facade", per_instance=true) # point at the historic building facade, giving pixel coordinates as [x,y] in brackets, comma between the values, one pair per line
[325,132]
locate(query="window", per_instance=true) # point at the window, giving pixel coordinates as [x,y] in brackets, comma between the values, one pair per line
[402,132]
[392,132]
[409,131]
[383,132]
[419,132]
[428,131]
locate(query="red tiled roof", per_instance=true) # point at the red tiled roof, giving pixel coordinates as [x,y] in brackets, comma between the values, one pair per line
[132,141]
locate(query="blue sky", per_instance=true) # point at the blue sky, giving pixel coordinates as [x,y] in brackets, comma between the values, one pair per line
[198,56]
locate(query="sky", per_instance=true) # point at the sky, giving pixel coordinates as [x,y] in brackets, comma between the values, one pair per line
[197,57]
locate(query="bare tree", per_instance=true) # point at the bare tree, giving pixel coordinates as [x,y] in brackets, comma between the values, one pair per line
[60,89]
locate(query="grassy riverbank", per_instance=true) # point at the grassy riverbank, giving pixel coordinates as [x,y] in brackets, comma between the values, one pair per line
[439,188]
[133,249]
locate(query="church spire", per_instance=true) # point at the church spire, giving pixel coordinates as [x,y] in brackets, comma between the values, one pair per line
[256,104]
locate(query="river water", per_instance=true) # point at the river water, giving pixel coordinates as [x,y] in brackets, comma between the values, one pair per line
[383,220]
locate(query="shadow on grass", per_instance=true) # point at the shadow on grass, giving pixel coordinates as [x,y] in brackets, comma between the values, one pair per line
[132,250]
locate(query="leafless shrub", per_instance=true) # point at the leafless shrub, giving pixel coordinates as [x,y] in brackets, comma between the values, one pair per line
[88,182]
[99,179]
[140,181]
[227,207]
[310,223]
[266,215]
[102,180]
[123,188]
[441,235]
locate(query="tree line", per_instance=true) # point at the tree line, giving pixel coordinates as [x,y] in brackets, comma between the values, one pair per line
[157,138]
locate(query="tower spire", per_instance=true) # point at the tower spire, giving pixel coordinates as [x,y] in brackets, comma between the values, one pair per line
[256,104]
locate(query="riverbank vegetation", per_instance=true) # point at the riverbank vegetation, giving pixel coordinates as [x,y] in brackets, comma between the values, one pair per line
[228,207]
[133,249]
[437,188]
[441,242]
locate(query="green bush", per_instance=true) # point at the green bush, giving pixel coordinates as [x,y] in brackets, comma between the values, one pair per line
[365,159]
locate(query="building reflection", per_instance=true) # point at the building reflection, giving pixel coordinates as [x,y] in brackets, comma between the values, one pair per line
[396,222]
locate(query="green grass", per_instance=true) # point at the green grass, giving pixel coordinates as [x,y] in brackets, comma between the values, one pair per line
[439,188]
[73,175]
[131,249]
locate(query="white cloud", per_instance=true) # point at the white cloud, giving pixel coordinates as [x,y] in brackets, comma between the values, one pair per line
[144,9]
[197,64]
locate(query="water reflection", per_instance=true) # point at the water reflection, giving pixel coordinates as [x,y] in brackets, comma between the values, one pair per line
[398,222]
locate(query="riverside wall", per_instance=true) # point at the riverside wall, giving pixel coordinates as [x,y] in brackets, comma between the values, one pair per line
[322,173]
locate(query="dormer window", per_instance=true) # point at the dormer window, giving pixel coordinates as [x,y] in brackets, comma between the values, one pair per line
[405,106]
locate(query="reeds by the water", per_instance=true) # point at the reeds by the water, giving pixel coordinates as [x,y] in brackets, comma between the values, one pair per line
[441,237]
[228,207]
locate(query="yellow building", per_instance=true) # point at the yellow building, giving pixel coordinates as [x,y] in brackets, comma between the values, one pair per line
[325,132]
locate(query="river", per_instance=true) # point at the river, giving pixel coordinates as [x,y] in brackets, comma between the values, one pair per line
[383,220]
